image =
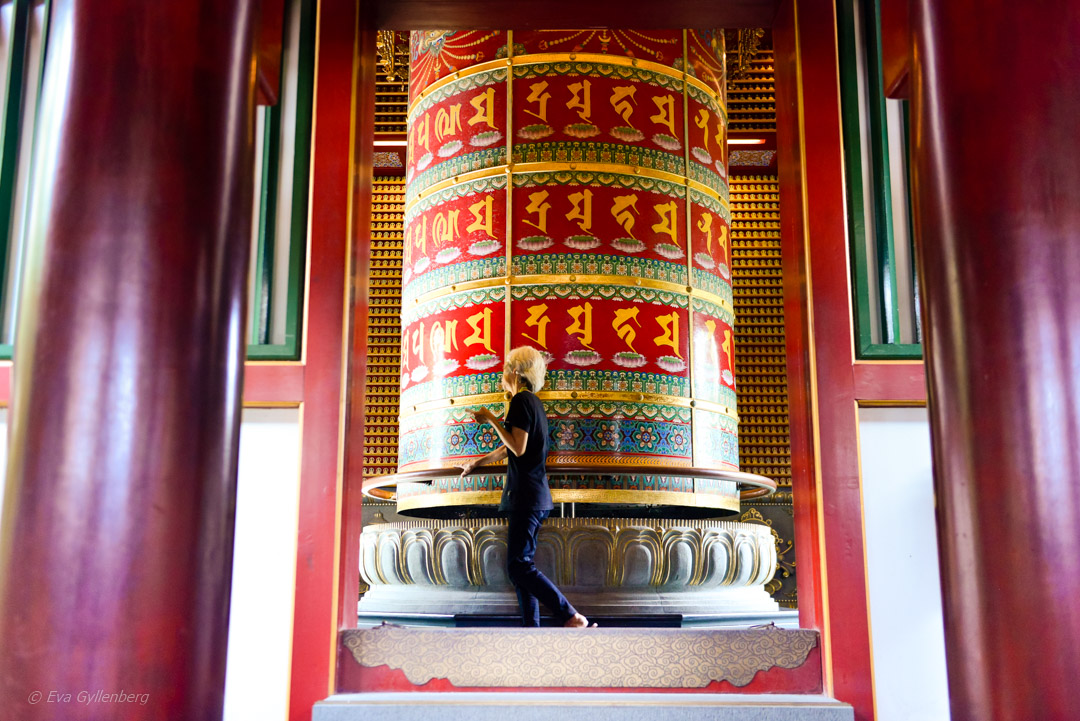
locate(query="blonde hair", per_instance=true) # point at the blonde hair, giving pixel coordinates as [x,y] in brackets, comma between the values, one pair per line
[528,363]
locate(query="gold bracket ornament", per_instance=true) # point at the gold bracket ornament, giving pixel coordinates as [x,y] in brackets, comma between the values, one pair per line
[385,41]
[749,44]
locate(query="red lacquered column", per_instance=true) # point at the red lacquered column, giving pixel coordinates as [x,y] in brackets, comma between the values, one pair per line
[996,101]
[117,532]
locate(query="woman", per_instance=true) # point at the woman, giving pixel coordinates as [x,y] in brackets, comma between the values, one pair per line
[526,497]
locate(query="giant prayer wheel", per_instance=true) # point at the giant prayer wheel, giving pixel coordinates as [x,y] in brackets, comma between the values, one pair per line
[567,190]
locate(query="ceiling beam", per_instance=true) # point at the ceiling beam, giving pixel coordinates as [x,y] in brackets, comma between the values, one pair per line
[564,14]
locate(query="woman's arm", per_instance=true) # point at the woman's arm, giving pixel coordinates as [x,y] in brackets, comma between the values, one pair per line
[515,440]
[496,455]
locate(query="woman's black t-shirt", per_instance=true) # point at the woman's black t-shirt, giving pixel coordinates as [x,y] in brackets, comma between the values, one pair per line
[526,475]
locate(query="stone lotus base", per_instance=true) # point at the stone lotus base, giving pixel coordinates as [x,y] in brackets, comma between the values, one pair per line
[604,566]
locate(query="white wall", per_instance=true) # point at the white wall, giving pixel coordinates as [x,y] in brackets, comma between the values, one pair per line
[901,547]
[264,566]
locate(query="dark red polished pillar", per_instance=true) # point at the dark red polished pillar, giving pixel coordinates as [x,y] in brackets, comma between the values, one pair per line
[116,540]
[997,184]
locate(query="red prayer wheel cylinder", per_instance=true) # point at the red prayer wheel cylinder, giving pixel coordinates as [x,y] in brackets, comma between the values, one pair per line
[567,190]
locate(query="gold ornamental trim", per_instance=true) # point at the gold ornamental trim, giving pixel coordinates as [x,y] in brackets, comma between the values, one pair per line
[618,281]
[584,495]
[569,524]
[443,500]
[749,43]
[385,48]
[597,658]
[618,396]
[695,452]
[551,58]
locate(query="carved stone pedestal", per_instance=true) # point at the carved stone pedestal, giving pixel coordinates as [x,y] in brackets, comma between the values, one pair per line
[619,567]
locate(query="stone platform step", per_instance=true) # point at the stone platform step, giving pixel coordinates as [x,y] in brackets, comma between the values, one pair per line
[781,618]
[671,620]
[498,706]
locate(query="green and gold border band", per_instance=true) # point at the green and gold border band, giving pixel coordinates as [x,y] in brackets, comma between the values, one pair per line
[573,463]
[599,396]
[519,169]
[573,278]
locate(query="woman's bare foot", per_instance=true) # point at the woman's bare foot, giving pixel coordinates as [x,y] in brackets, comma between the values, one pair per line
[578,621]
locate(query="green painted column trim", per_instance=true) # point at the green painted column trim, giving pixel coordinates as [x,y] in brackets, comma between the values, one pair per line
[888,304]
[262,315]
[298,231]
[851,122]
[891,351]
[263,296]
[11,130]
[884,305]
[916,321]
[271,351]
[7,349]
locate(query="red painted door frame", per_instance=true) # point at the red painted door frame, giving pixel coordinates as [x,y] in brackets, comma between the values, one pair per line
[326,331]
[827,384]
